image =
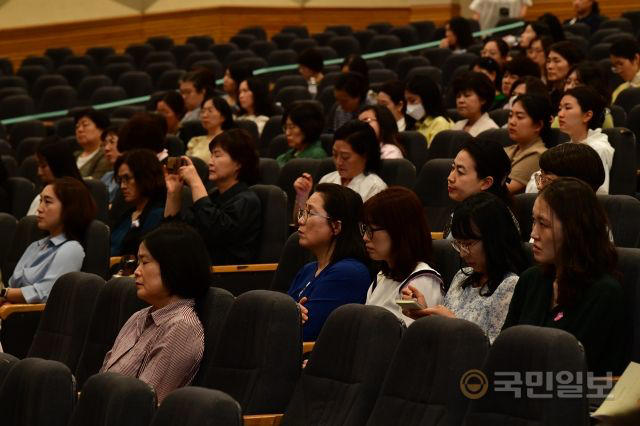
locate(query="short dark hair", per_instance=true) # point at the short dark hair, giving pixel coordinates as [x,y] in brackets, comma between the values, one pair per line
[577,160]
[546,42]
[625,49]
[586,252]
[147,172]
[59,157]
[590,74]
[569,51]
[202,79]
[395,90]
[491,160]
[223,108]
[534,85]
[462,29]
[261,102]
[386,122]
[503,47]
[240,146]
[99,118]
[399,211]
[141,131]
[312,59]
[484,217]
[522,66]
[489,64]
[539,109]
[308,117]
[362,139]
[555,27]
[430,95]
[356,63]
[183,258]
[174,101]
[114,128]
[589,100]
[479,84]
[345,205]
[353,83]
[78,207]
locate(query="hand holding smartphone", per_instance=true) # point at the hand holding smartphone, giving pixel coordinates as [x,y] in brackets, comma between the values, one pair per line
[409,305]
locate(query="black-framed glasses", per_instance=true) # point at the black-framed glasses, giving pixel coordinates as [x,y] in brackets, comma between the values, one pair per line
[368,230]
[303,214]
[463,246]
[126,179]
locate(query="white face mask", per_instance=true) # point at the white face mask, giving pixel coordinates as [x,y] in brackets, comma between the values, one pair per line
[415,111]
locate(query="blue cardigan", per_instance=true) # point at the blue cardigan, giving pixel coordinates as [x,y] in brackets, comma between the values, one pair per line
[345,281]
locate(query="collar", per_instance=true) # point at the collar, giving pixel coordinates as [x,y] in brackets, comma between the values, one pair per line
[162,315]
[636,79]
[231,192]
[57,240]
[162,155]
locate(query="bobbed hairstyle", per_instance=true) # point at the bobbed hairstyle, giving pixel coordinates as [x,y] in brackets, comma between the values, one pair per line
[589,100]
[538,108]
[345,205]
[223,108]
[590,74]
[240,146]
[462,29]
[430,95]
[585,252]
[491,160]
[183,259]
[522,66]
[478,83]
[147,172]
[386,122]
[355,63]
[488,64]
[568,51]
[576,160]
[59,157]
[399,211]
[395,90]
[308,117]
[555,27]
[202,79]
[311,59]
[625,49]
[484,217]
[354,84]
[78,207]
[142,131]
[534,86]
[175,101]
[261,103]
[502,46]
[99,118]
[362,139]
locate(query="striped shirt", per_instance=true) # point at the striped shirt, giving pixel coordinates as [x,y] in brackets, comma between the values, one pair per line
[161,347]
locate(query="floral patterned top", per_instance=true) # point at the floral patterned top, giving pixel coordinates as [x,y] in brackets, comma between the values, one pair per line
[488,313]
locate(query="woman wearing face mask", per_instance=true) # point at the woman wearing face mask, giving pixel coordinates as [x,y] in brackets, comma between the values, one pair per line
[573,286]
[302,124]
[66,209]
[496,49]
[474,96]
[328,227]
[424,105]
[216,117]
[580,116]
[253,97]
[383,124]
[488,241]
[396,235]
[562,56]
[391,95]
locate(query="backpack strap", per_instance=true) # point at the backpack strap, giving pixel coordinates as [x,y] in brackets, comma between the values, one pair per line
[421,273]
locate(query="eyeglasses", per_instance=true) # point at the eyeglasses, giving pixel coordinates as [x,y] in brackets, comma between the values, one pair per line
[303,215]
[368,230]
[290,127]
[465,247]
[368,119]
[542,179]
[126,179]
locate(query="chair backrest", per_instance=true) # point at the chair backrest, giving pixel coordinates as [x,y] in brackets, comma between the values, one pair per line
[446,260]
[398,171]
[275,219]
[112,399]
[26,129]
[431,388]
[293,258]
[619,116]
[290,94]
[437,55]
[116,302]
[431,188]
[100,195]
[258,357]
[447,143]
[519,351]
[37,392]
[195,406]
[65,321]
[8,226]
[269,171]
[629,268]
[415,146]
[633,124]
[292,171]
[97,249]
[277,146]
[347,367]
[628,98]
[622,177]
[499,135]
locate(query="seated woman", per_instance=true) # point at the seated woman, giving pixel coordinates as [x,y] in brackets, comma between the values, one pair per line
[391,95]
[489,243]
[66,209]
[396,235]
[110,145]
[587,12]
[515,69]
[229,219]
[171,107]
[457,36]
[142,131]
[328,227]
[625,60]
[491,69]
[350,92]
[386,129]
[538,51]
[302,123]
[474,97]
[311,67]
[235,74]
[496,49]
[356,155]
[194,86]
[573,286]
[89,127]
[562,56]
[141,180]
[529,128]
[424,105]
[576,160]
[253,97]
[481,165]
[216,117]
[55,160]
[162,345]
[580,116]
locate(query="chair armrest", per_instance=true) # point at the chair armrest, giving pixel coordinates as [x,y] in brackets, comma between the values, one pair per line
[307,347]
[114,260]
[437,235]
[257,267]
[262,420]
[13,308]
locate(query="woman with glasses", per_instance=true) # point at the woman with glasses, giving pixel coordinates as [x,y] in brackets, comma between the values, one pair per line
[216,117]
[141,180]
[488,241]
[328,227]
[396,235]
[302,124]
[384,125]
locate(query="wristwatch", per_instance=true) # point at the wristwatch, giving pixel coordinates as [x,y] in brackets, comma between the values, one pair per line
[3,293]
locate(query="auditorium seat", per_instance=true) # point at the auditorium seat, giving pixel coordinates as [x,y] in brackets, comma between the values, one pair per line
[112,399]
[26,129]
[107,94]
[431,188]
[222,50]
[139,52]
[398,171]
[275,218]
[99,54]
[89,85]
[169,79]
[256,30]
[44,82]
[201,42]
[27,147]
[292,170]
[446,260]
[8,227]
[58,98]
[383,42]
[135,83]
[22,192]
[262,48]
[619,116]
[85,60]
[437,55]
[447,143]
[31,73]
[181,51]
[242,40]
[283,40]
[406,64]
[58,54]
[288,95]
[269,171]
[161,42]
[628,98]
[623,168]
[195,406]
[302,44]
[13,81]
[292,259]
[16,106]
[74,73]
[198,56]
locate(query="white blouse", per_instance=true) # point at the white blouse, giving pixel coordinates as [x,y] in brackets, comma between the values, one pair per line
[365,185]
[484,123]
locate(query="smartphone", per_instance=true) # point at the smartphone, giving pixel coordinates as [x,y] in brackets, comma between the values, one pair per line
[409,305]
[174,163]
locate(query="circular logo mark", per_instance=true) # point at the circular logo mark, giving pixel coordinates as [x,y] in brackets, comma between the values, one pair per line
[474,384]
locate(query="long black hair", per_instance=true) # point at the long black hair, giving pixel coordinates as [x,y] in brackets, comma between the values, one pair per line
[59,157]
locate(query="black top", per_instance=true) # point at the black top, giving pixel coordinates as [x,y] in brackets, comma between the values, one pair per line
[593,20]
[596,320]
[230,224]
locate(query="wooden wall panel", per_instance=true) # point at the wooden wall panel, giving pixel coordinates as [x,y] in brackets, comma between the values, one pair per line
[436,13]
